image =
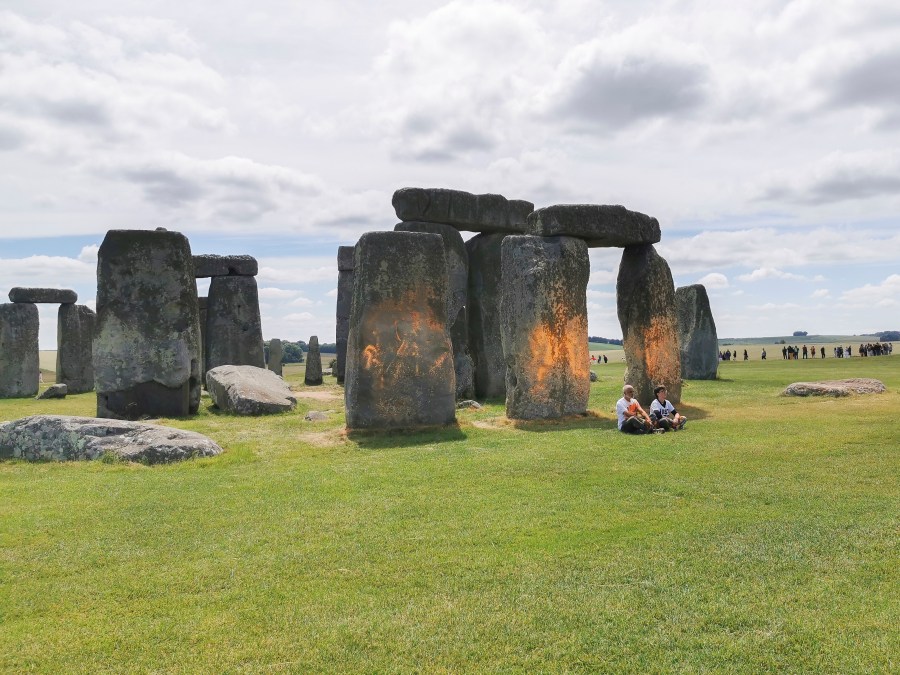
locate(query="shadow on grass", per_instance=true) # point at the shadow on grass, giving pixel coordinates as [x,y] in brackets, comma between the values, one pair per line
[692,412]
[589,420]
[379,439]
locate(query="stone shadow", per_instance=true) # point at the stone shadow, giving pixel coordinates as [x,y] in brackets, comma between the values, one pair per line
[381,439]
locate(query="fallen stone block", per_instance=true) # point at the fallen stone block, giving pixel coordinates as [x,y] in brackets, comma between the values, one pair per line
[54,391]
[63,438]
[856,385]
[248,390]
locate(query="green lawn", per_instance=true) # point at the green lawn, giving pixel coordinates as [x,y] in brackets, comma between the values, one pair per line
[762,538]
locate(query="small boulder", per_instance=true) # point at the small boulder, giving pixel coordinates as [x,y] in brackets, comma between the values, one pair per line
[468,403]
[593,376]
[54,391]
[248,390]
[315,416]
[64,438]
[856,385]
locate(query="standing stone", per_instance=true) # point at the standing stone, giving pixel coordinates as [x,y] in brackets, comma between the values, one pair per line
[276,353]
[313,375]
[202,304]
[697,339]
[543,323]
[645,296]
[485,341]
[19,358]
[74,338]
[458,277]
[233,326]
[399,353]
[146,349]
[344,300]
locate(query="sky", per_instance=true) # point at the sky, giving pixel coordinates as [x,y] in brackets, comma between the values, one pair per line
[764,135]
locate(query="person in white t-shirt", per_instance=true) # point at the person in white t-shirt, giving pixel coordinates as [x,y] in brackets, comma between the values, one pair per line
[632,418]
[663,413]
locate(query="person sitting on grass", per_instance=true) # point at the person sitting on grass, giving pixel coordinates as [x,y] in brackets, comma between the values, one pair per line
[663,413]
[633,419]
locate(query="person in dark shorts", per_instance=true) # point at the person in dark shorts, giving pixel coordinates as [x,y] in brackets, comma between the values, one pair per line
[663,413]
[632,418]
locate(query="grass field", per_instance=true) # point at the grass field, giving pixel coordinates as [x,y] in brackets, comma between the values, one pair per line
[762,538]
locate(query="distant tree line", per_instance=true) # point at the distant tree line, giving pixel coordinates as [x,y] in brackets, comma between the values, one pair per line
[604,341]
[294,352]
[888,335]
[800,333]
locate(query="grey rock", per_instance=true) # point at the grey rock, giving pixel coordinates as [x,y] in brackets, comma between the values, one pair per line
[64,438]
[593,376]
[543,310]
[599,225]
[248,390]
[857,385]
[399,353]
[315,416]
[202,305]
[313,375]
[645,296]
[233,325]
[468,403]
[697,338]
[209,265]
[462,210]
[345,258]
[43,295]
[19,358]
[276,353]
[146,350]
[54,391]
[74,337]
[342,313]
[485,341]
[458,279]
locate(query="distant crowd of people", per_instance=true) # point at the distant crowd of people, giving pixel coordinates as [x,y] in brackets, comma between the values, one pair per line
[599,359]
[793,352]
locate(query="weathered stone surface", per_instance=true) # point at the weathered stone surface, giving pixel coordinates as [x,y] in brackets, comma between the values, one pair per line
[697,339]
[313,376]
[43,295]
[857,385]
[233,325]
[344,300]
[54,391]
[209,265]
[593,376]
[468,403]
[599,225]
[248,390]
[146,350]
[645,295]
[202,304]
[399,353]
[315,416]
[462,210]
[458,275]
[63,438]
[74,337]
[485,341]
[19,358]
[276,353]
[543,311]
[345,258]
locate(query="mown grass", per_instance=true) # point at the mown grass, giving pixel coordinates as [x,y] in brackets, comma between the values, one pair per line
[762,538]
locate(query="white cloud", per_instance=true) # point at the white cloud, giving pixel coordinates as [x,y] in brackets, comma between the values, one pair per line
[768,273]
[883,295]
[820,293]
[714,280]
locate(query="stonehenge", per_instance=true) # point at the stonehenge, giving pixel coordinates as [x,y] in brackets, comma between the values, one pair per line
[543,310]
[645,297]
[697,339]
[146,348]
[19,360]
[599,225]
[485,342]
[233,324]
[399,369]
[463,210]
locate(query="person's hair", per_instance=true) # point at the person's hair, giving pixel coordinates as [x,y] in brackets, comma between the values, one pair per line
[658,389]
[627,387]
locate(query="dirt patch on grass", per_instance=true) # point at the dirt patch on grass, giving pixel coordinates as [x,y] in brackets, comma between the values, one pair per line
[318,395]
[324,439]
